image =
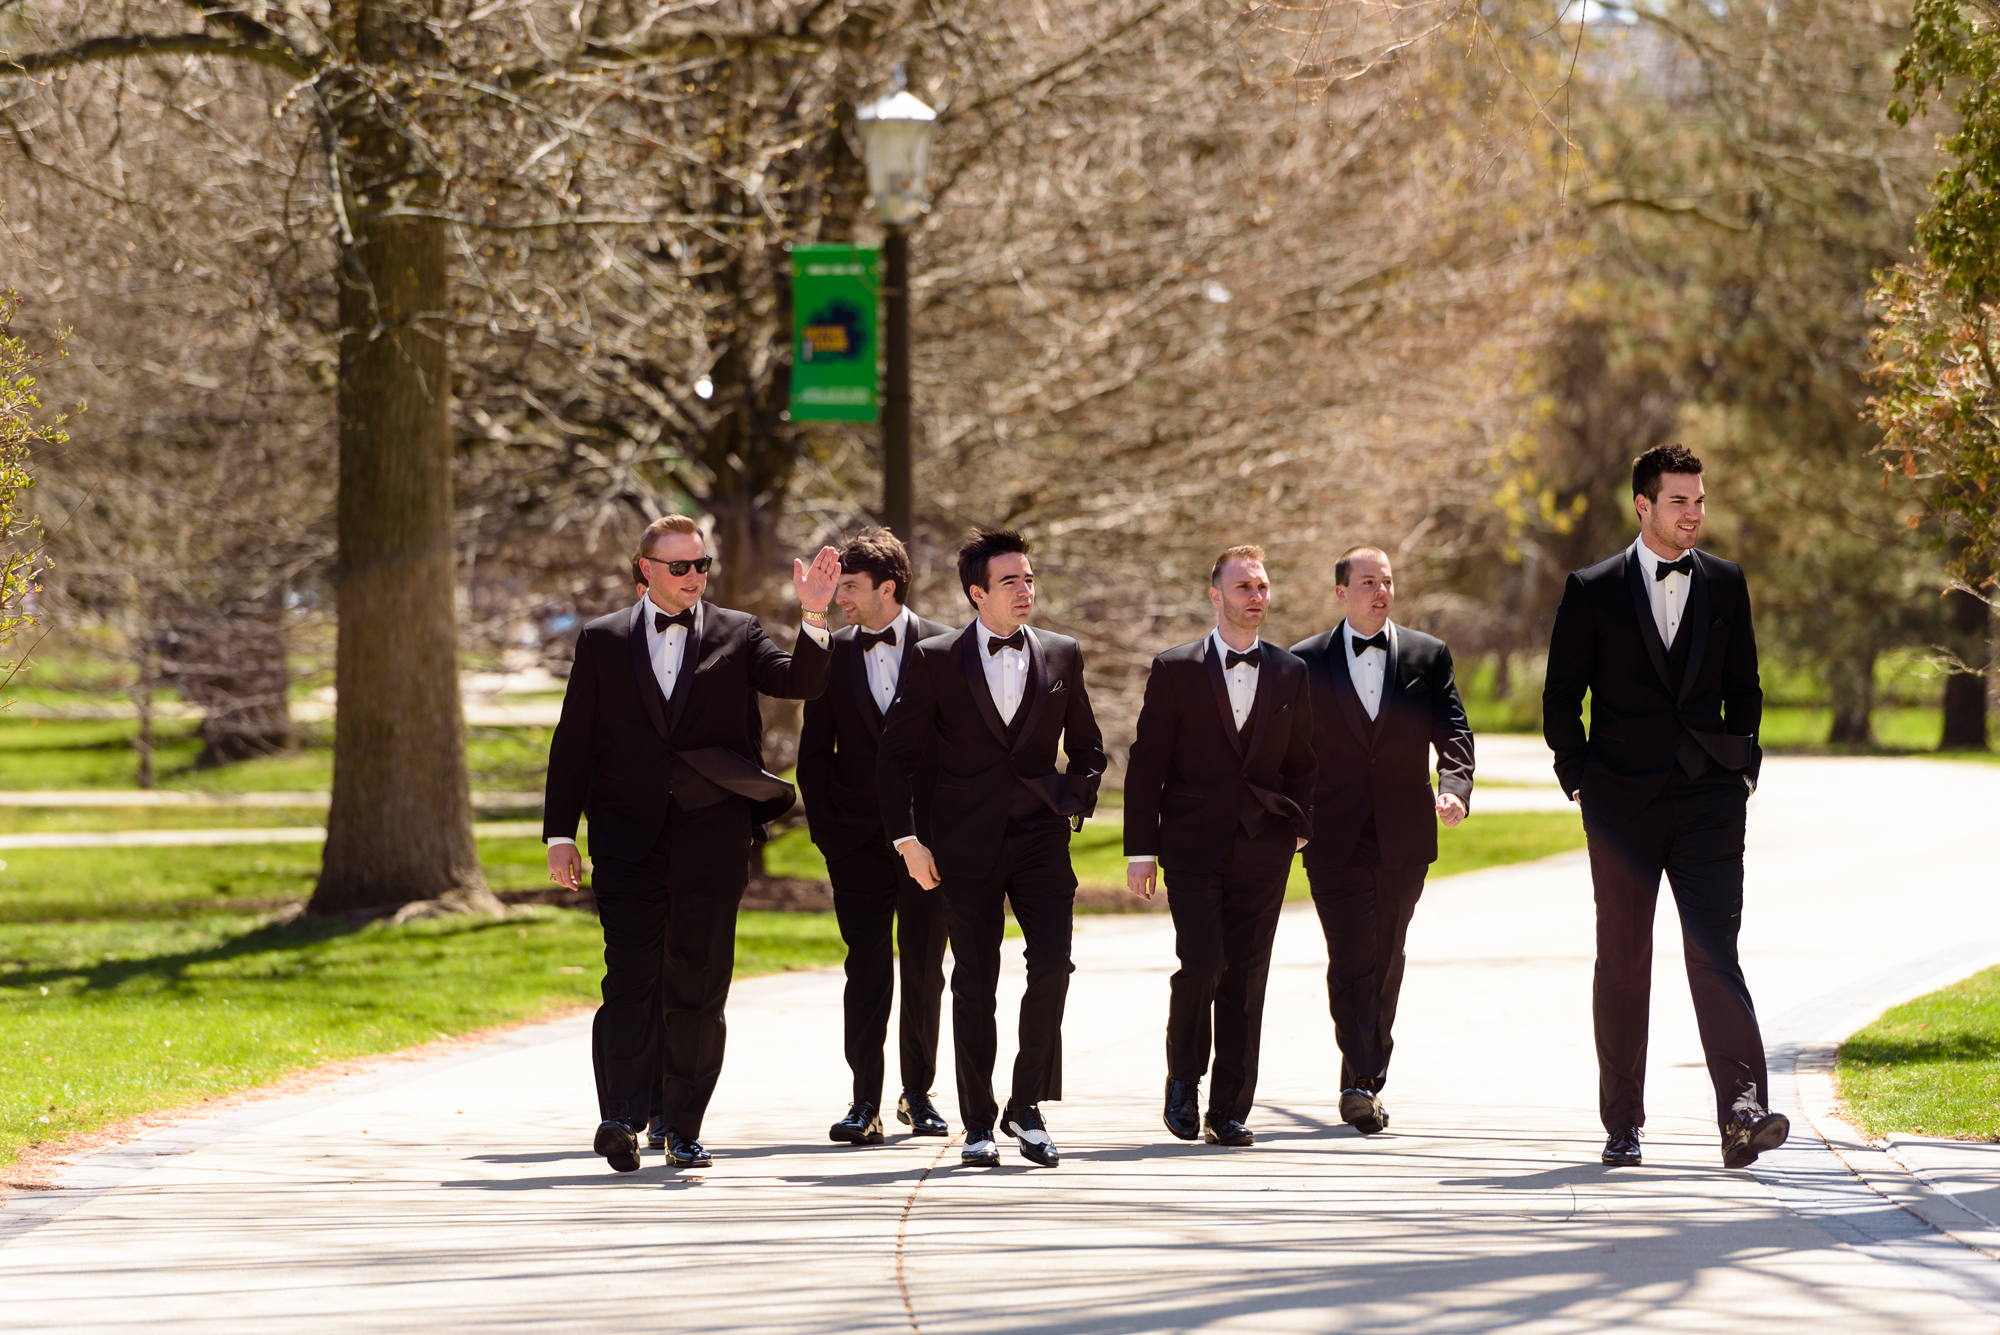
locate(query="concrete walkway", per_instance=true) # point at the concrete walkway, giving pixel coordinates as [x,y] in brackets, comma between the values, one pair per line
[461,1195]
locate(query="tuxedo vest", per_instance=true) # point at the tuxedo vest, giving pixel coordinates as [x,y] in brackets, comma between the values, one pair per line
[1689,755]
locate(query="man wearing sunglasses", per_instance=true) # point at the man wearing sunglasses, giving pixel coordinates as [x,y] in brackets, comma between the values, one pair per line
[660,744]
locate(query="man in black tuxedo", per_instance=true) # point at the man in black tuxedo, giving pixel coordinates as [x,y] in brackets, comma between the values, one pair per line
[1383,697]
[1218,789]
[877,904]
[1660,636]
[660,743]
[990,703]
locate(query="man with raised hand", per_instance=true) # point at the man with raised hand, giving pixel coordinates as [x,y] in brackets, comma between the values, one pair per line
[991,703]
[1218,791]
[660,744]
[1384,697]
[878,906]
[1660,637]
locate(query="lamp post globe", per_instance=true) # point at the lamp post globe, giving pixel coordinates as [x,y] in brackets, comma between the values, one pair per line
[896,138]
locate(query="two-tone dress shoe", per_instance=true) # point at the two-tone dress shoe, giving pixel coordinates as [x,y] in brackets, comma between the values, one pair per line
[1181,1116]
[1363,1110]
[686,1151]
[861,1126]
[619,1144]
[1749,1134]
[917,1112]
[1622,1149]
[656,1133]
[1226,1131]
[979,1151]
[1031,1133]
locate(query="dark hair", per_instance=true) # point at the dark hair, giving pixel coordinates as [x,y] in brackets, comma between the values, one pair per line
[877,553]
[1647,468]
[1345,564]
[1243,553]
[980,549]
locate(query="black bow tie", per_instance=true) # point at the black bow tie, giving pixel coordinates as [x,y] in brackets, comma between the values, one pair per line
[1683,566]
[870,638]
[685,620]
[1255,658]
[1017,641]
[1379,640]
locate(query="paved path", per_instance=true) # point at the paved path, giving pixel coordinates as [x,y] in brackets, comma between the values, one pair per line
[460,1194]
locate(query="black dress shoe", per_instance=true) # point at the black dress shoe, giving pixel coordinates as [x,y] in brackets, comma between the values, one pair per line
[1180,1116]
[686,1151]
[1749,1134]
[1031,1133]
[619,1144]
[1360,1109]
[1226,1131]
[656,1133]
[1622,1149]
[861,1126]
[917,1112]
[979,1151]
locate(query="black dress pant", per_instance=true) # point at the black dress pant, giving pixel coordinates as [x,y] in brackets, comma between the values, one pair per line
[1224,924]
[1365,913]
[669,949]
[1032,875]
[882,913]
[1693,832]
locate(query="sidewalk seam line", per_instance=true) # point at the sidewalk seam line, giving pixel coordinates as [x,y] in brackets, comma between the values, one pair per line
[903,1227]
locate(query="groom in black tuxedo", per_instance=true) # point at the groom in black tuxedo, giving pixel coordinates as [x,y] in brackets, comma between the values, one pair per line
[1660,636]
[1383,697]
[660,743]
[989,704]
[1218,790]
[877,904]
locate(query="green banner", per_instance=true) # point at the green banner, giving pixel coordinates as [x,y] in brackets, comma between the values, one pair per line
[835,299]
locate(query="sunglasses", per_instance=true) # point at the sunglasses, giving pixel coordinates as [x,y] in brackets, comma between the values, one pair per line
[679,568]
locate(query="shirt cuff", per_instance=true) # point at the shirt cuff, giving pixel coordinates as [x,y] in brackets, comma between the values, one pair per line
[555,839]
[1131,858]
[906,839]
[820,634]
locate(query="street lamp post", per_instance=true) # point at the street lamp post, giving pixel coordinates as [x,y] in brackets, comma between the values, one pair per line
[896,133]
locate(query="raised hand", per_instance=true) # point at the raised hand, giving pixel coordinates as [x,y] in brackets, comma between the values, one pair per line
[815,584]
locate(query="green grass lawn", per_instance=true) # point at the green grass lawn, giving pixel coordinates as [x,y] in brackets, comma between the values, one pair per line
[1931,1066]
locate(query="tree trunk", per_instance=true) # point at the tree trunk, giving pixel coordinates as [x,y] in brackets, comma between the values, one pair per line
[235,670]
[400,826]
[1852,679]
[1965,693]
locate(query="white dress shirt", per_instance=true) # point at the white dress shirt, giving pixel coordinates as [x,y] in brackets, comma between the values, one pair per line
[1668,596]
[1006,671]
[1370,670]
[1241,679]
[665,650]
[884,661]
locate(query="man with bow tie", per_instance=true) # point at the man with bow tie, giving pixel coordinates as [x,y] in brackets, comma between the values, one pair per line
[988,705]
[1384,697]
[1660,637]
[660,744]
[1218,792]
[877,904]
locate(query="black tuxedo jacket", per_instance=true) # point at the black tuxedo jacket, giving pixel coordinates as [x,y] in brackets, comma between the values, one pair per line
[621,751]
[1641,711]
[988,772]
[1193,781]
[1383,765]
[839,745]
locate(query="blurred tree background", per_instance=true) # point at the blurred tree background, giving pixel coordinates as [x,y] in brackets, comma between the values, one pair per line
[1425,275]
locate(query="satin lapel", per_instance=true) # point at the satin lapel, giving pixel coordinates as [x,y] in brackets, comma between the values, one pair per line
[969,650]
[1218,683]
[1343,691]
[1695,622]
[692,649]
[1260,704]
[1035,695]
[857,660]
[642,666]
[1642,604]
